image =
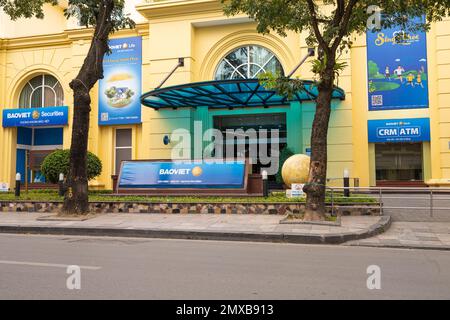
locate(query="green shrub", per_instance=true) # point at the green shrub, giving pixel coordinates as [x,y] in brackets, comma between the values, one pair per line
[58,162]
[284,155]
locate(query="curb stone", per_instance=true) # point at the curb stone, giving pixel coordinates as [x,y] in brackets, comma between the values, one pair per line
[298,238]
[406,247]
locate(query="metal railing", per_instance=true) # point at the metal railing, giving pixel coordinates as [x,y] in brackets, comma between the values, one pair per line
[430,195]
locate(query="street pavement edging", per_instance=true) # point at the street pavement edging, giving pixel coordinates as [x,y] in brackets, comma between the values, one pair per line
[405,246]
[287,237]
[410,235]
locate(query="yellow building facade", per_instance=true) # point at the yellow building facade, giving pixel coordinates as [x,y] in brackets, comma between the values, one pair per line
[197,31]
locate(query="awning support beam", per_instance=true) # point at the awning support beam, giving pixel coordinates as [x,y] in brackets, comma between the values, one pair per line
[311,53]
[180,64]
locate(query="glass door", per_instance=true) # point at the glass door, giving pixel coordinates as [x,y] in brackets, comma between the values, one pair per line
[399,162]
[242,144]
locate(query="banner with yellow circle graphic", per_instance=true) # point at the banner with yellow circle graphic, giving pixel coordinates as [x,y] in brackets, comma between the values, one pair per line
[120,89]
[182,174]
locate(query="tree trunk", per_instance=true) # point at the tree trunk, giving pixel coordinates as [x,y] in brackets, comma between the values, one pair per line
[76,196]
[315,188]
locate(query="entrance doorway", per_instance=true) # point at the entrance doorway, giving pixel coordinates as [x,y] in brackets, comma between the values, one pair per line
[399,163]
[33,145]
[243,144]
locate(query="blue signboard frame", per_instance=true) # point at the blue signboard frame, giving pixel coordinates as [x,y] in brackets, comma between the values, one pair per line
[399,130]
[182,174]
[36,117]
[121,88]
[397,69]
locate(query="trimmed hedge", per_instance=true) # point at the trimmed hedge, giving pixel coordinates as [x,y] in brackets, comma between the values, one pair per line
[105,195]
[58,162]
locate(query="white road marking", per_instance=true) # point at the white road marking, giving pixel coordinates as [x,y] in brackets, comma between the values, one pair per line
[39,264]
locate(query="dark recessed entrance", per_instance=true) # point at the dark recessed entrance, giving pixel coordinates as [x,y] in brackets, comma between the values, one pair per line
[33,145]
[242,144]
[399,163]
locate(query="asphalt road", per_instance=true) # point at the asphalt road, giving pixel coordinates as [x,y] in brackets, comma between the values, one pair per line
[34,267]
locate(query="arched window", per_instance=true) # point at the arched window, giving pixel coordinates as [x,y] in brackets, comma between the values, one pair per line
[41,91]
[247,62]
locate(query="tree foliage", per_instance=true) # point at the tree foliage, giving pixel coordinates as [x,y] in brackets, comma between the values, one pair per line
[25,8]
[87,13]
[329,24]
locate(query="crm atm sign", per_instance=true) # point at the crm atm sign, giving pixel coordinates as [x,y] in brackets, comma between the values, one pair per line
[399,130]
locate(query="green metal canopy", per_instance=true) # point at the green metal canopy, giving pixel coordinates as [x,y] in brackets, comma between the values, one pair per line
[221,94]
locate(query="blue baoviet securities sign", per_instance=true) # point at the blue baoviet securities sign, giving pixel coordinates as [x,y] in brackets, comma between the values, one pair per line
[120,89]
[34,117]
[186,174]
[399,130]
[397,69]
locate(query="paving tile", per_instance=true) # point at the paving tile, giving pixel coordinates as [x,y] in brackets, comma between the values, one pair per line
[408,238]
[386,237]
[420,229]
[430,238]
[440,230]
[424,234]
[411,243]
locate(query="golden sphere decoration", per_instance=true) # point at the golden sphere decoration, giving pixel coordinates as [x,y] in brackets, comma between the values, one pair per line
[296,169]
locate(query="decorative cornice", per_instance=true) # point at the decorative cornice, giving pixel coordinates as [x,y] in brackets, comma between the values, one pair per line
[59,39]
[65,38]
[86,33]
[176,8]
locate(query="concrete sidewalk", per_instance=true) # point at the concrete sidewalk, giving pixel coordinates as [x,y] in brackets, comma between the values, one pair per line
[198,226]
[411,235]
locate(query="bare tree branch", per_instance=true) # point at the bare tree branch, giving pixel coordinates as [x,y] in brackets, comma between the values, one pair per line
[343,29]
[315,26]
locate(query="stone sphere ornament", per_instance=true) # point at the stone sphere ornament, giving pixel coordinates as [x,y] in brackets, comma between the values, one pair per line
[296,169]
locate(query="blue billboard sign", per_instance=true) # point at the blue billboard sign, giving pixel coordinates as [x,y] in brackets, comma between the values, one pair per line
[397,69]
[120,89]
[35,117]
[185,174]
[399,130]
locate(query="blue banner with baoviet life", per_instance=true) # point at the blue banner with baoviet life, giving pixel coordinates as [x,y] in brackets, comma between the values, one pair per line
[35,117]
[397,69]
[399,130]
[120,89]
[185,174]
